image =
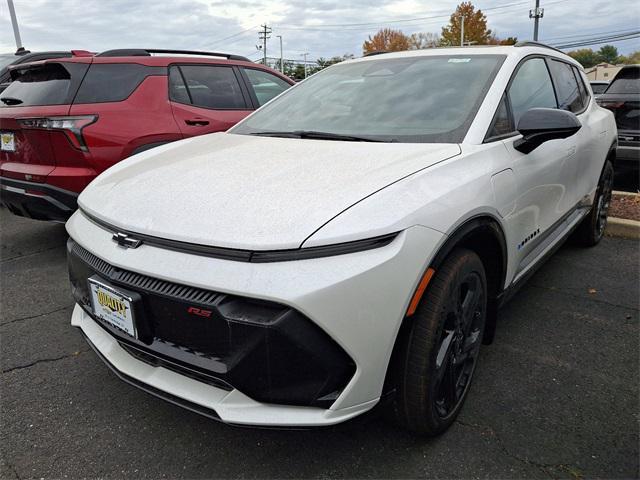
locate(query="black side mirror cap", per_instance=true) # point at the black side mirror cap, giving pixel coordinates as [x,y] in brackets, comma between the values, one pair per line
[539,125]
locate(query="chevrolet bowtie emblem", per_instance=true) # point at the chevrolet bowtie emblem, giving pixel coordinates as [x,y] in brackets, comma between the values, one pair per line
[126,241]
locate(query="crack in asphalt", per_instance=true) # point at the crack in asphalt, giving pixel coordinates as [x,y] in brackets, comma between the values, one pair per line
[44,360]
[543,467]
[14,470]
[6,260]
[59,309]
[566,292]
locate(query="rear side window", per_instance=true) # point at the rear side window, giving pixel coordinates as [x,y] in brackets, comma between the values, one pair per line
[48,84]
[265,85]
[584,93]
[566,86]
[113,82]
[626,81]
[207,86]
[531,88]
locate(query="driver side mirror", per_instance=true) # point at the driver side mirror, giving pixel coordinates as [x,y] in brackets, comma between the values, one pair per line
[539,125]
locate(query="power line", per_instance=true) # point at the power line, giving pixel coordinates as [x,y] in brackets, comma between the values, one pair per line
[579,35]
[323,27]
[601,39]
[220,40]
[408,19]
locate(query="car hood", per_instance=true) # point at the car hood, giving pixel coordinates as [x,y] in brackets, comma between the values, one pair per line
[246,192]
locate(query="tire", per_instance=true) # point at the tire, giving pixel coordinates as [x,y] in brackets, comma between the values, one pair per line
[592,228]
[439,353]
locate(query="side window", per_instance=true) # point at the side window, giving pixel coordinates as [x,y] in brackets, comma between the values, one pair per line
[501,124]
[213,87]
[265,85]
[584,93]
[112,82]
[566,86]
[531,88]
[177,88]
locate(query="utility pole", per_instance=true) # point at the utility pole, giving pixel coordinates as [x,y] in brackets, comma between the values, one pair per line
[14,22]
[536,14]
[264,35]
[281,57]
[305,63]
[462,30]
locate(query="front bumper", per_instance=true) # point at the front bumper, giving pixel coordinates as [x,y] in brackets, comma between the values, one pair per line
[229,406]
[37,200]
[357,300]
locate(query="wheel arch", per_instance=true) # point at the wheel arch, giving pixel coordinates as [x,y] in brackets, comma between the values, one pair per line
[484,235]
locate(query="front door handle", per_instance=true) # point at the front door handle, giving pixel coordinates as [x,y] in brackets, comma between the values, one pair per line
[197,121]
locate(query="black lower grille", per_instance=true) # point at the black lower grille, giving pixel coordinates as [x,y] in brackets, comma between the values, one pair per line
[268,351]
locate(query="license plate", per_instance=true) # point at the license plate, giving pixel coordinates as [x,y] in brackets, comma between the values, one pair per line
[7,142]
[112,306]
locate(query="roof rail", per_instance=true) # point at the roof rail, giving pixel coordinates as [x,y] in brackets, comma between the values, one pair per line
[146,52]
[377,52]
[531,43]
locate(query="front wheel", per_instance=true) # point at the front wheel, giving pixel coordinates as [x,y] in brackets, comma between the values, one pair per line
[440,352]
[592,228]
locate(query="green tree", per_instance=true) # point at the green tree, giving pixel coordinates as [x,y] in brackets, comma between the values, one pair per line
[386,40]
[324,63]
[608,53]
[631,59]
[475,26]
[585,56]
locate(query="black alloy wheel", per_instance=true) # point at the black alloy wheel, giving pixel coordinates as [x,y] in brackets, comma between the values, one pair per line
[439,348]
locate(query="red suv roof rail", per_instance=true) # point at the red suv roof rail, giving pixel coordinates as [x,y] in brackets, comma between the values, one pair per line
[82,53]
[145,52]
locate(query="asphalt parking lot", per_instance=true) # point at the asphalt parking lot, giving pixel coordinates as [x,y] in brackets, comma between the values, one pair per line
[555,396]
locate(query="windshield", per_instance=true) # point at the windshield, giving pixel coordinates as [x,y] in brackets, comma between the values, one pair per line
[6,60]
[411,99]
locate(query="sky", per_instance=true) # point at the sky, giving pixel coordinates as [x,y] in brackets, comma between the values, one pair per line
[321,28]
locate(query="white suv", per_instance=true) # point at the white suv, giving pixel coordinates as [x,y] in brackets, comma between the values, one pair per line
[349,242]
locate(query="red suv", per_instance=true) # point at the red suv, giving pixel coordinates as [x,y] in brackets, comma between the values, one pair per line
[64,121]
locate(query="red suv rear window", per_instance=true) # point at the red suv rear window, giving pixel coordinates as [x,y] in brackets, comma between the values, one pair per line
[48,84]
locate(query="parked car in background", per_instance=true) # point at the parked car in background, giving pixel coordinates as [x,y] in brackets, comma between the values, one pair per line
[64,121]
[22,56]
[622,97]
[335,250]
[598,86]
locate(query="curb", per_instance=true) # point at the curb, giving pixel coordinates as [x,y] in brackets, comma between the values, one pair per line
[626,194]
[620,227]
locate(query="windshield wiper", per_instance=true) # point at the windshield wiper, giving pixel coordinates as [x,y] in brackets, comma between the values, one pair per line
[318,136]
[11,101]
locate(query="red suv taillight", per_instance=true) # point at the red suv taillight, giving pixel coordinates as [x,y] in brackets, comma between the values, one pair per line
[71,125]
[609,104]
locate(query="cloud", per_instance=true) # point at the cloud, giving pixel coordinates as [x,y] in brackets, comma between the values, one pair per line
[317,27]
